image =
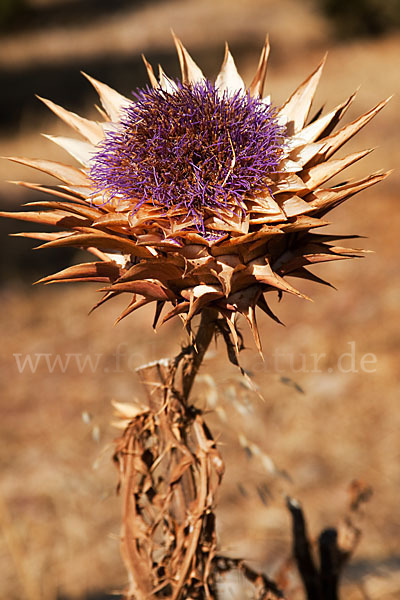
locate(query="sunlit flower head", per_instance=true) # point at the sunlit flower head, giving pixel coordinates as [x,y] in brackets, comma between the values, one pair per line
[193,149]
[197,194]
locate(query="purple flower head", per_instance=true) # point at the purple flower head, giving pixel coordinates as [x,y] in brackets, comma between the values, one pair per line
[196,149]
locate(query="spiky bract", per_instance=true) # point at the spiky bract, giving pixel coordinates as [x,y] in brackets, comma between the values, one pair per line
[192,226]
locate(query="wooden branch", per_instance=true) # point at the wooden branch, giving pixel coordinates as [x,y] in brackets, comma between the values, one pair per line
[302,551]
[329,564]
[335,545]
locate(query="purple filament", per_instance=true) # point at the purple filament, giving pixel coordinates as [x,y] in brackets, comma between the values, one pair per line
[196,148]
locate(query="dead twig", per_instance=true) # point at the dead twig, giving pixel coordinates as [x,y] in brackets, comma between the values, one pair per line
[335,546]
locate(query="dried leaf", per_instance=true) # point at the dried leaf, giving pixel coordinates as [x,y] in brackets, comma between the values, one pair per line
[257,85]
[293,205]
[132,307]
[336,140]
[125,410]
[191,73]
[228,78]
[47,218]
[112,101]
[148,289]
[166,84]
[315,176]
[90,130]
[327,199]
[93,271]
[100,239]
[82,151]
[298,106]
[264,274]
[322,126]
[150,73]
[66,173]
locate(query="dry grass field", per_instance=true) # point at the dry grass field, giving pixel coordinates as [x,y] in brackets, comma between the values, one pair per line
[330,378]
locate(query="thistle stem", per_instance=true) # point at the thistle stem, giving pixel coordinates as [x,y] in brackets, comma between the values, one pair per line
[170,471]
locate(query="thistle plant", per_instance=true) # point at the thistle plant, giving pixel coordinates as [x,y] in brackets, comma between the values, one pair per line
[199,197]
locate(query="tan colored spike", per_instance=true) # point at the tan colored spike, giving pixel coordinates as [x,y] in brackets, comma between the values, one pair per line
[132,307]
[261,303]
[191,73]
[324,200]
[177,310]
[315,176]
[101,240]
[230,321]
[257,85]
[298,106]
[342,251]
[303,273]
[65,173]
[303,155]
[107,257]
[113,102]
[93,271]
[152,269]
[112,220]
[226,246]
[47,217]
[250,315]
[244,302]
[314,130]
[129,411]
[90,130]
[149,289]
[48,190]
[166,84]
[287,182]
[40,235]
[293,205]
[330,257]
[266,205]
[207,297]
[86,211]
[150,73]
[108,296]
[263,273]
[82,151]
[228,78]
[302,223]
[224,276]
[336,140]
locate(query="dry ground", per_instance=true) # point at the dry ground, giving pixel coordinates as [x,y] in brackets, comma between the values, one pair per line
[58,508]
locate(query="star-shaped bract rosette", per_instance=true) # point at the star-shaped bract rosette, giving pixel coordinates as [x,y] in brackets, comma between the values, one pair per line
[195,194]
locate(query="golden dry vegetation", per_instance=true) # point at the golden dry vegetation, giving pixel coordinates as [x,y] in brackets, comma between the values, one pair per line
[322,424]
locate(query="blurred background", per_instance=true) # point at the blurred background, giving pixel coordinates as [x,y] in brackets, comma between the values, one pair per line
[321,426]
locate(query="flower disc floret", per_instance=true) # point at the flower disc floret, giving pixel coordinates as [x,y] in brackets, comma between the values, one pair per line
[196,148]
